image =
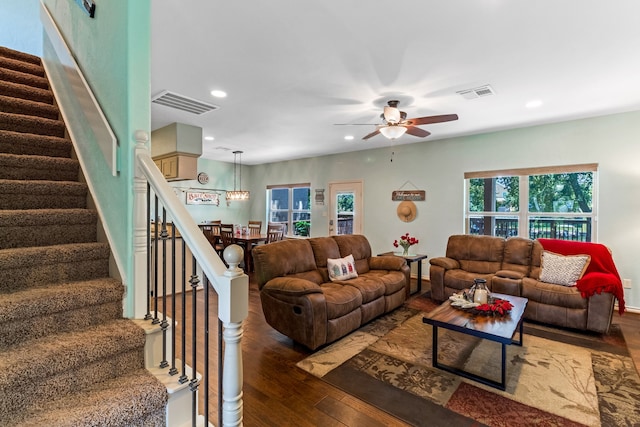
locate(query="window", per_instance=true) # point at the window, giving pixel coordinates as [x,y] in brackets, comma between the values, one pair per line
[291,205]
[554,202]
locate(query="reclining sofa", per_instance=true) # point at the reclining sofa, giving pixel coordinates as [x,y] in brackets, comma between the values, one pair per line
[300,299]
[513,266]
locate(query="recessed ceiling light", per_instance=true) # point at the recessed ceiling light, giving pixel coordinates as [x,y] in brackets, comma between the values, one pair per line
[533,104]
[348,137]
[219,93]
[209,138]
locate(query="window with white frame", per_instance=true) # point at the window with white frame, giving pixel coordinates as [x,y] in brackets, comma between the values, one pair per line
[290,204]
[556,202]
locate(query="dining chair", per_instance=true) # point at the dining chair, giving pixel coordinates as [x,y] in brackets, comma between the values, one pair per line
[226,236]
[255,227]
[274,235]
[212,233]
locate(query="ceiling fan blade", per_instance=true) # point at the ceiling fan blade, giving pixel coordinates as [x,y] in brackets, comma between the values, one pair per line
[420,133]
[372,134]
[356,124]
[432,119]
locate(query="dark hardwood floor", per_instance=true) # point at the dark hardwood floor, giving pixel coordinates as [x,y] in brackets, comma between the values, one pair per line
[277,393]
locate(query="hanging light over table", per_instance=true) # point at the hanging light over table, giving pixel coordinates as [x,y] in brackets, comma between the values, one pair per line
[237,194]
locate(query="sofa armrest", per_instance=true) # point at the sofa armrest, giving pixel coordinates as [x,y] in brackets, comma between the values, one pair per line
[386,263]
[290,286]
[444,262]
[509,274]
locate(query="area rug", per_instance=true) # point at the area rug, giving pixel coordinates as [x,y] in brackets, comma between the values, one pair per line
[557,378]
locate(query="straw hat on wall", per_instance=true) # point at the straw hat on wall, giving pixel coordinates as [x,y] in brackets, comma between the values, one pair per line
[407,211]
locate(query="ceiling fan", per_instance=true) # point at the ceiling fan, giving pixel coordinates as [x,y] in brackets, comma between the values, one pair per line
[395,123]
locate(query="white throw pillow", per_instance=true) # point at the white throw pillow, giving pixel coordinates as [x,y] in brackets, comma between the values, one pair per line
[342,268]
[563,269]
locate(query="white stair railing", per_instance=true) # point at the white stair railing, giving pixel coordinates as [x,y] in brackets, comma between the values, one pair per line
[230,284]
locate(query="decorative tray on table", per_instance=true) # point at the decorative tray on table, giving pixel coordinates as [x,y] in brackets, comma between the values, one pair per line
[493,306]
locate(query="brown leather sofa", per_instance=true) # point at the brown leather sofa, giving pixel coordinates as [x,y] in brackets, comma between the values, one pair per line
[512,266]
[299,299]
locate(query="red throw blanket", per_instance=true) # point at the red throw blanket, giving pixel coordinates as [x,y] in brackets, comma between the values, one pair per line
[601,274]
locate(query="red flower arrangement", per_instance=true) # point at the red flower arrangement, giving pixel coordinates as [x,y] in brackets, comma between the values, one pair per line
[405,241]
[496,307]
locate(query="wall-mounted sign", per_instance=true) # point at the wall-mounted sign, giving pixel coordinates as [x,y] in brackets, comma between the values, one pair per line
[413,195]
[320,196]
[202,198]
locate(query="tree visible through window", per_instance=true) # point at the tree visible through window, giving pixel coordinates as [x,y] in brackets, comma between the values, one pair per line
[291,205]
[542,202]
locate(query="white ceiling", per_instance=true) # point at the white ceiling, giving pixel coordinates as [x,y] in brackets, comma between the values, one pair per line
[292,69]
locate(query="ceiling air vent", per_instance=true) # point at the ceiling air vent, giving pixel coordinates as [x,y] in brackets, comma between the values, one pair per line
[181,102]
[476,92]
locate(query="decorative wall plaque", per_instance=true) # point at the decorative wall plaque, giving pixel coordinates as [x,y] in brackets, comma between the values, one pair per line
[413,195]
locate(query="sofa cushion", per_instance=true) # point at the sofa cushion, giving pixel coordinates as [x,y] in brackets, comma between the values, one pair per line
[563,269]
[283,258]
[550,294]
[358,246]
[324,248]
[341,268]
[477,254]
[461,279]
[370,287]
[340,299]
[393,281]
[517,255]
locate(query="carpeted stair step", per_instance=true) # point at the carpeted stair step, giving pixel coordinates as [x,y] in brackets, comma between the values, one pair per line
[9,104]
[13,166]
[30,144]
[14,76]
[137,399]
[64,363]
[6,52]
[22,66]
[36,194]
[46,227]
[31,124]
[32,313]
[32,266]
[21,91]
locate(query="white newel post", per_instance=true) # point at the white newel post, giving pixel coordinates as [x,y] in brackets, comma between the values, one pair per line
[233,309]
[139,282]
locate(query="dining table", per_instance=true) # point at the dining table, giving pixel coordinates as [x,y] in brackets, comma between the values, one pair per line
[247,241]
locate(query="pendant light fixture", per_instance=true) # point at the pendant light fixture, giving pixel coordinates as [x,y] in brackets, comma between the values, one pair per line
[237,194]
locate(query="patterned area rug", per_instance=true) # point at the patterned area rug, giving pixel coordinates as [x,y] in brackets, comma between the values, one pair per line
[558,378]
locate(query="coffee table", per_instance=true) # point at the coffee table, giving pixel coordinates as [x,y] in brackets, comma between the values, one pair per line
[498,329]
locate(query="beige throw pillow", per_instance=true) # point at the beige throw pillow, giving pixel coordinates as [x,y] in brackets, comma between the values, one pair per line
[563,270]
[342,268]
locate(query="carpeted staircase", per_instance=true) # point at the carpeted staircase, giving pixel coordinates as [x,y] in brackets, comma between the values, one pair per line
[67,356]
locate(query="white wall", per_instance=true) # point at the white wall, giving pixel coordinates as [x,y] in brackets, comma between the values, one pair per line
[438,167]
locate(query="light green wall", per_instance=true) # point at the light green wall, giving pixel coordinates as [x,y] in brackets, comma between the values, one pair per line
[439,166]
[113,51]
[220,178]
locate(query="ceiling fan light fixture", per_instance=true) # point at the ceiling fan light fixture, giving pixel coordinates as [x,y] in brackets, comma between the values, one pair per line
[393,132]
[391,115]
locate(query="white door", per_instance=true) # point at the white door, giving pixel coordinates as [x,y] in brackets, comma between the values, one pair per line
[345,207]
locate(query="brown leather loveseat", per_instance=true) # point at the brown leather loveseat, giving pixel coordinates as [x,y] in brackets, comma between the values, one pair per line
[513,266]
[301,301]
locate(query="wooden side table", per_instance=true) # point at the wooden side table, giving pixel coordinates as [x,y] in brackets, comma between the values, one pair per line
[411,259]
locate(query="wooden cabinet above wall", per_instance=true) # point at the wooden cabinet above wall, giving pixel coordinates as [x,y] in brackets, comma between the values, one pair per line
[177,167]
